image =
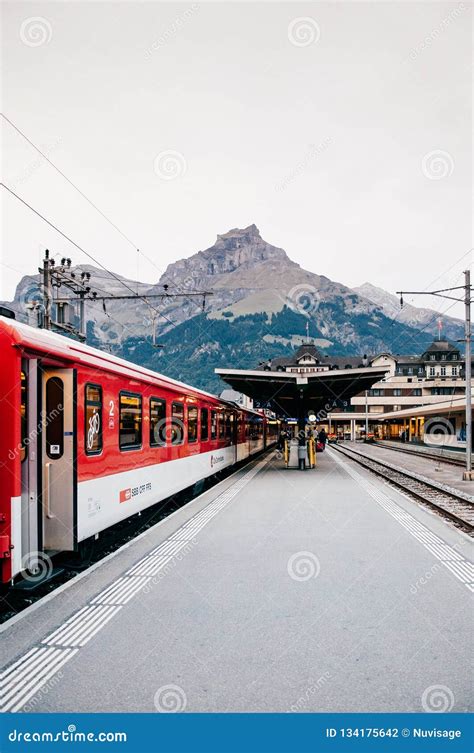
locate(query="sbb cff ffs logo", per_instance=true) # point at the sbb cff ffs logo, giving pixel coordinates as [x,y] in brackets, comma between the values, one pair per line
[135,491]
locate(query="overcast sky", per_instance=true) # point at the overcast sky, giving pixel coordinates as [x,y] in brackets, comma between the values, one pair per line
[343,130]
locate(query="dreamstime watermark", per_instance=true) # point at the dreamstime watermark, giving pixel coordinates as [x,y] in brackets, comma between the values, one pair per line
[35,165]
[170,565]
[170,699]
[31,294]
[303,566]
[33,434]
[69,735]
[437,165]
[437,699]
[303,701]
[36,567]
[171,31]
[437,430]
[304,299]
[169,431]
[436,32]
[42,692]
[303,31]
[314,151]
[36,31]
[170,164]
[424,579]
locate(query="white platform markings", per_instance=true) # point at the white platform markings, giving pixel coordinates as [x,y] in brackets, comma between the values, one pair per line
[461,568]
[30,673]
[22,679]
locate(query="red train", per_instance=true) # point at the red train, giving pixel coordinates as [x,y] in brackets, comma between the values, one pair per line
[89,439]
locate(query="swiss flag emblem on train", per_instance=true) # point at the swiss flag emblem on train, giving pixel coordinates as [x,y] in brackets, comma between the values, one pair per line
[125,495]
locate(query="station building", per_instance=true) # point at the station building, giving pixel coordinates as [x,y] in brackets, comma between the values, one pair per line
[404,402]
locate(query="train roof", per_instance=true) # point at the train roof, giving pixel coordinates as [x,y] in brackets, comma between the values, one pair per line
[54,344]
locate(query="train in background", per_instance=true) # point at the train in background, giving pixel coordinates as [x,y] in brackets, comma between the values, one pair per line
[89,439]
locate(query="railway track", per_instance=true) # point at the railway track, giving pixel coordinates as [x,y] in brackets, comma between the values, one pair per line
[422,453]
[451,503]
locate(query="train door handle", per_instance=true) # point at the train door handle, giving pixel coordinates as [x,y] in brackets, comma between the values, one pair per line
[47,469]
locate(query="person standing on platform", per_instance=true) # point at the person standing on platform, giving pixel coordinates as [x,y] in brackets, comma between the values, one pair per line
[323,437]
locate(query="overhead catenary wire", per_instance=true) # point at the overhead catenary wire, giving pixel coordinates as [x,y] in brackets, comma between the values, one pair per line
[55,167]
[82,250]
[134,245]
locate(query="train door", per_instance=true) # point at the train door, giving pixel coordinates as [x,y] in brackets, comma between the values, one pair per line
[58,452]
[28,523]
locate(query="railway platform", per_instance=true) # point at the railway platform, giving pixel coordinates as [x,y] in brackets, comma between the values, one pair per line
[436,469]
[277,590]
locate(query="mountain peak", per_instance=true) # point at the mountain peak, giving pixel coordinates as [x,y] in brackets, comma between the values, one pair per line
[248,233]
[238,248]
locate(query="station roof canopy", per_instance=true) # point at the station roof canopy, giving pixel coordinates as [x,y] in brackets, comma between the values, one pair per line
[292,393]
[449,407]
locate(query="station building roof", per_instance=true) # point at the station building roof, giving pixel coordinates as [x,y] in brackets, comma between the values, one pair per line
[455,405]
[287,393]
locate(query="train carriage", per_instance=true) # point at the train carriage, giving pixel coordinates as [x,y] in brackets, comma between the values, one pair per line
[89,439]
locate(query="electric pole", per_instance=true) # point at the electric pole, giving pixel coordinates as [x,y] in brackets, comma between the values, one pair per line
[467,473]
[47,290]
[62,275]
[467,336]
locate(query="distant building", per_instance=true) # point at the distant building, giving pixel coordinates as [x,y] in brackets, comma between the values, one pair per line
[412,381]
[237,397]
[430,380]
[308,359]
[416,380]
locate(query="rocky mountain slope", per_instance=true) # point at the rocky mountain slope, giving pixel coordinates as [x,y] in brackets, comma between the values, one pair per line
[262,303]
[422,318]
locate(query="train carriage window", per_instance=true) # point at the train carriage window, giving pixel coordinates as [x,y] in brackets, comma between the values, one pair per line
[54,417]
[221,425]
[204,425]
[157,422]
[93,419]
[23,419]
[130,409]
[229,417]
[177,423]
[213,424]
[192,424]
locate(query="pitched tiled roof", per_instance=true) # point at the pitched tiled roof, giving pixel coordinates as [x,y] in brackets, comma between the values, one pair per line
[441,346]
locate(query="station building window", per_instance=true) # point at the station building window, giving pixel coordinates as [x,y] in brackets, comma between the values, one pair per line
[93,419]
[192,423]
[204,425]
[213,424]
[177,423]
[454,370]
[157,422]
[443,370]
[130,413]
